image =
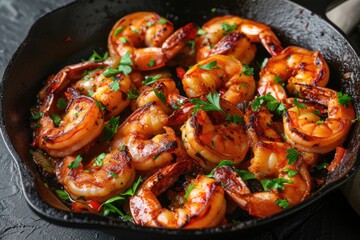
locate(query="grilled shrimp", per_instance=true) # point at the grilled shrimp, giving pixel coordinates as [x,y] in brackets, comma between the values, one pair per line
[293,65]
[148,38]
[204,206]
[208,138]
[143,134]
[100,179]
[81,124]
[269,162]
[261,127]
[110,92]
[154,92]
[57,83]
[304,127]
[240,34]
[219,72]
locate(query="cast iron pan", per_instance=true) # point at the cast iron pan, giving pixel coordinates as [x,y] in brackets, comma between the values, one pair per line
[69,34]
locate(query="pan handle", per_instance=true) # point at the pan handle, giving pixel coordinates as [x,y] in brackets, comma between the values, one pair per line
[319,7]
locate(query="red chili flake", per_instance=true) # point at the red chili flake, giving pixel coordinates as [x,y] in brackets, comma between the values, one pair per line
[68,39]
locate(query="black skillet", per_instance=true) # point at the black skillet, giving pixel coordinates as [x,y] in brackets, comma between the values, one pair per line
[69,34]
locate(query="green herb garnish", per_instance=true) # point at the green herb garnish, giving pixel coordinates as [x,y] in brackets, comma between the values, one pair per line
[111,128]
[208,66]
[343,99]
[99,160]
[75,163]
[292,155]
[151,79]
[283,203]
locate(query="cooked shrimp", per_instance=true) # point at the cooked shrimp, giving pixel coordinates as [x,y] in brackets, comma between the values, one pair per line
[269,162]
[147,37]
[208,138]
[306,130]
[220,72]
[98,181]
[81,124]
[293,65]
[110,92]
[239,36]
[149,93]
[204,206]
[55,84]
[143,134]
[261,127]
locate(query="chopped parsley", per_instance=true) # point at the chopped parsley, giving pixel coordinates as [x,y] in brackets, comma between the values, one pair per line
[212,105]
[236,118]
[118,30]
[111,72]
[133,94]
[151,62]
[276,183]
[37,115]
[95,57]
[123,40]
[228,28]
[115,86]
[160,96]
[320,122]
[208,66]
[283,203]
[151,79]
[343,99]
[114,175]
[271,103]
[135,31]
[99,160]
[290,172]
[75,163]
[222,163]
[189,188]
[56,118]
[247,70]
[292,155]
[277,79]
[63,195]
[122,148]
[245,175]
[299,105]
[321,165]
[317,112]
[201,32]
[150,23]
[162,21]
[111,128]
[124,66]
[61,103]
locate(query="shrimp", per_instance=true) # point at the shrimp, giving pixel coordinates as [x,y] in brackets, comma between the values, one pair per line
[240,34]
[293,65]
[208,138]
[148,38]
[81,124]
[150,93]
[204,206]
[110,92]
[219,72]
[261,127]
[56,83]
[269,162]
[143,134]
[97,181]
[305,129]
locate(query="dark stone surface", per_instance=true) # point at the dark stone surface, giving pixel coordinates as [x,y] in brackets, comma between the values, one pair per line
[334,218]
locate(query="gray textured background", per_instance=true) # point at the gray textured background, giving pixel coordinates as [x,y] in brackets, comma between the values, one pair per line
[17,221]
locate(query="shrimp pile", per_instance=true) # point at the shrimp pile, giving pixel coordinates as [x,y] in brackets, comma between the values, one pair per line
[139,134]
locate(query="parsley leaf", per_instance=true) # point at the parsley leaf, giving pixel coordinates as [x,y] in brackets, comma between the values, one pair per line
[245,175]
[189,188]
[201,32]
[299,105]
[61,103]
[290,172]
[320,122]
[283,203]
[236,118]
[99,160]
[56,118]
[276,183]
[63,195]
[151,79]
[208,66]
[75,163]
[123,40]
[114,175]
[133,93]
[160,96]
[115,86]
[271,103]
[317,112]
[222,163]
[292,155]
[150,23]
[151,62]
[212,105]
[111,72]
[277,79]
[131,191]
[95,57]
[343,99]
[118,30]
[162,21]
[228,28]
[111,128]
[247,70]
[37,115]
